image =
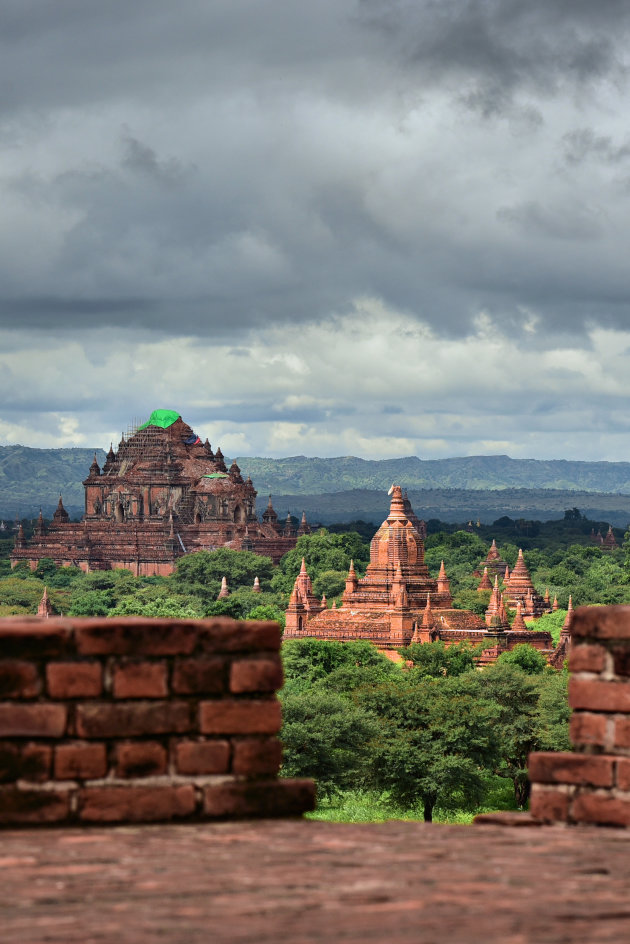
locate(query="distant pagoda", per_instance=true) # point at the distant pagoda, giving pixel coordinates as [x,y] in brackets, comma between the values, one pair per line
[162,494]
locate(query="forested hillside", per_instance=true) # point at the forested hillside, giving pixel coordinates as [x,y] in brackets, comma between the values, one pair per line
[30,478]
[339,489]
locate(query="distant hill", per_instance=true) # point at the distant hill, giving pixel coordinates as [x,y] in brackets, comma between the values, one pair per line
[30,478]
[455,505]
[300,475]
[342,488]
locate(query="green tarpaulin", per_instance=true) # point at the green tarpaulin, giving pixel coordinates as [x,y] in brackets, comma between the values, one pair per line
[215,475]
[163,418]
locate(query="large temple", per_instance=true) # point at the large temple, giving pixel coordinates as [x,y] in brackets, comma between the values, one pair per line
[398,602]
[162,494]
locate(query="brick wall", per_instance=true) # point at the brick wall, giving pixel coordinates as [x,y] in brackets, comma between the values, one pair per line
[140,720]
[591,785]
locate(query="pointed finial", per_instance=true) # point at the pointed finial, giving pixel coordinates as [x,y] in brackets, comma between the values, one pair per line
[303,567]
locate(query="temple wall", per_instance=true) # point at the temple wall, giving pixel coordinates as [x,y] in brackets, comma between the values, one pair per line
[591,785]
[139,720]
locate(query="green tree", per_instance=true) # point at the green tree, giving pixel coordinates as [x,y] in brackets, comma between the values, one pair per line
[92,603]
[327,738]
[176,607]
[529,659]
[436,738]
[307,661]
[436,660]
[200,573]
[322,552]
[516,695]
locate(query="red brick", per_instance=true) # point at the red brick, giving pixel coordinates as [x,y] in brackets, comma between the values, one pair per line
[256,675]
[587,658]
[202,757]
[33,806]
[80,761]
[140,680]
[132,719]
[586,728]
[135,636]
[623,773]
[621,661]
[140,759]
[19,679]
[563,767]
[622,732]
[256,756]
[232,716]
[122,804]
[222,635]
[24,761]
[18,720]
[551,806]
[598,695]
[34,638]
[198,676]
[597,808]
[74,679]
[266,798]
[601,622]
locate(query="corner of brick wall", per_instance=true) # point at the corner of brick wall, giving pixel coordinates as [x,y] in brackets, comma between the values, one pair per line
[141,720]
[591,785]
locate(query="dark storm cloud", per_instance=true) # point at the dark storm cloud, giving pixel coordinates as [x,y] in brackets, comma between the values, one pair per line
[206,168]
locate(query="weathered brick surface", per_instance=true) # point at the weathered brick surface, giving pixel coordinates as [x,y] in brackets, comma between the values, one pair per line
[271,798]
[623,774]
[215,636]
[202,757]
[593,784]
[622,732]
[74,679]
[122,804]
[135,637]
[599,695]
[19,679]
[200,676]
[596,623]
[292,882]
[256,756]
[256,675]
[587,658]
[140,680]
[587,728]
[32,806]
[24,761]
[132,719]
[32,720]
[80,761]
[597,808]
[140,759]
[548,805]
[33,638]
[563,767]
[240,717]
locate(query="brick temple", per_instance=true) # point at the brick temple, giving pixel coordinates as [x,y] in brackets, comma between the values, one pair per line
[398,602]
[162,494]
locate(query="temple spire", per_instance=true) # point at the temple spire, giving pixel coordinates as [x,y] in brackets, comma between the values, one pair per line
[224,591]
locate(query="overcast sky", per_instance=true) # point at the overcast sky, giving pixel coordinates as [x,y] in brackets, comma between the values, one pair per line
[349,227]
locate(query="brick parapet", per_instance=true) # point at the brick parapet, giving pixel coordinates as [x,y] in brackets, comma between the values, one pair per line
[141,720]
[591,785]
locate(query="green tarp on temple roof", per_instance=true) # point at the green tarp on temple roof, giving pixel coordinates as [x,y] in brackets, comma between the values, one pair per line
[163,418]
[215,475]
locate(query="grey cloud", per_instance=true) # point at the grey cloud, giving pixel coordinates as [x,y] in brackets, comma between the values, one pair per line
[583,143]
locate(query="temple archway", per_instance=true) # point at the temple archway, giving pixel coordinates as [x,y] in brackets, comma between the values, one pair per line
[239,515]
[119,512]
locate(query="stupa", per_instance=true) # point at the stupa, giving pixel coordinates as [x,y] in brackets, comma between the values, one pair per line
[162,494]
[398,602]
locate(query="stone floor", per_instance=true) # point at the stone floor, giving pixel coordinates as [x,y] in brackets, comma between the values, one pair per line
[291,881]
